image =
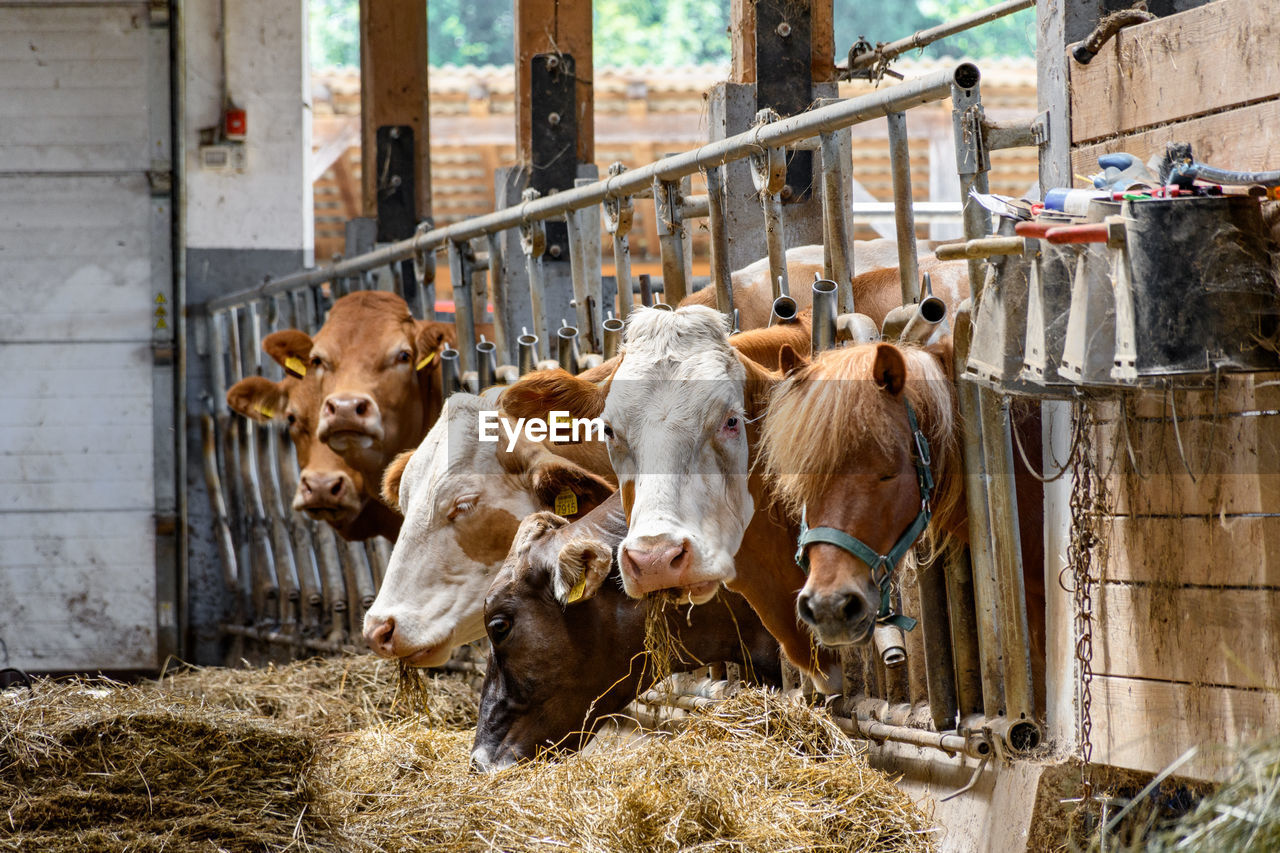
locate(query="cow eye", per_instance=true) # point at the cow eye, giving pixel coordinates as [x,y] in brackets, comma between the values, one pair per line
[731,423]
[293,419]
[608,431]
[404,356]
[499,627]
[460,506]
[315,361]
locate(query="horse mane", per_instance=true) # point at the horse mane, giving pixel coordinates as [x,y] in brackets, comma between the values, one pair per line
[826,414]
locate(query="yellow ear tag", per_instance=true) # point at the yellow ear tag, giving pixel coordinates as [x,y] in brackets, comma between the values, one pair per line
[266,411]
[566,503]
[294,365]
[578,590]
[425,360]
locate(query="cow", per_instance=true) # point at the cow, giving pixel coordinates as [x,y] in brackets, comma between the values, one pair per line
[378,374]
[432,595]
[328,489]
[462,500]
[567,645]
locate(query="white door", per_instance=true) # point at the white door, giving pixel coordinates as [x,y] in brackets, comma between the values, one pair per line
[85,332]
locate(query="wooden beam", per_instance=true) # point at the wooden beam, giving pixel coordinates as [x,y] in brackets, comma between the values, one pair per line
[1236,552]
[554,26]
[742,35]
[1247,139]
[393,89]
[1147,725]
[1200,61]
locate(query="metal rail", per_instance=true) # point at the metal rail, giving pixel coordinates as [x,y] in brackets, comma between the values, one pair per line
[935,86]
[924,38]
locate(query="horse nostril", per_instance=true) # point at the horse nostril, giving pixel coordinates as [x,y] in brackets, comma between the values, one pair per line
[805,609]
[854,608]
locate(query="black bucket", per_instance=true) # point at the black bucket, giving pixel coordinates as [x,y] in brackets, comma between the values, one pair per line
[1204,286]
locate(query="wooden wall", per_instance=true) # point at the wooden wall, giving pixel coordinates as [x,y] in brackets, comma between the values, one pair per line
[1187,630]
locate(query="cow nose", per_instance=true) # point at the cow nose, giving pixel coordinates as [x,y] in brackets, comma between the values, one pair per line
[349,412]
[379,635]
[659,560]
[348,405]
[839,610]
[323,487]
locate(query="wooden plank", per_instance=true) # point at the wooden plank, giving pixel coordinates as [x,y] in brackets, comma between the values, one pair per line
[1206,59]
[1225,465]
[1246,139]
[393,71]
[548,26]
[1200,635]
[1226,551]
[742,35]
[1147,725]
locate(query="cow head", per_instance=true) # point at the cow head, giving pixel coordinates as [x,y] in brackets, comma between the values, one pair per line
[377,373]
[462,500]
[328,489]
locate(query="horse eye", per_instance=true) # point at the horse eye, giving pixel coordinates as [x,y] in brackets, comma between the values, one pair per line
[499,627]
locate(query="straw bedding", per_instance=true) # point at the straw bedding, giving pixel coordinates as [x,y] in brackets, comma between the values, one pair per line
[325,756]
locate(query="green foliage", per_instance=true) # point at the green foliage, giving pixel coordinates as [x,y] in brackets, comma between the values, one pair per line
[664,32]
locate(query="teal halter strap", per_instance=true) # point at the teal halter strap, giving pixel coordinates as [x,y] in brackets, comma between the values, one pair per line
[882,565]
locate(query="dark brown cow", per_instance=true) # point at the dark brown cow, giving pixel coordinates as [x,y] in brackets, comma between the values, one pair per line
[568,644]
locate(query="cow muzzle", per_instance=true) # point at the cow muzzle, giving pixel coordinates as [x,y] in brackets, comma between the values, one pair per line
[328,496]
[654,563]
[382,635]
[350,422]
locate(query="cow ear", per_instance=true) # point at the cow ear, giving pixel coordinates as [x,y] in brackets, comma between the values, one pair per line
[944,351]
[429,338]
[582,566]
[566,487]
[789,361]
[545,391]
[258,399]
[391,479]
[889,369]
[291,349]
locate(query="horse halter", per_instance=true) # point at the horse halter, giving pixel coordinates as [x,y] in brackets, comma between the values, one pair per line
[882,565]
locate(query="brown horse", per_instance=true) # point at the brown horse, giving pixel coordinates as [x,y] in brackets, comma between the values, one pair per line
[854,468]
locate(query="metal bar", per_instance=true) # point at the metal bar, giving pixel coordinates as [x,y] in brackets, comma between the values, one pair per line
[619,214]
[964,631]
[670,240]
[694,207]
[910,93]
[824,315]
[971,165]
[1011,609]
[931,585]
[1009,134]
[332,583]
[498,293]
[578,271]
[927,37]
[721,275]
[900,163]
[464,320]
[217,500]
[836,246]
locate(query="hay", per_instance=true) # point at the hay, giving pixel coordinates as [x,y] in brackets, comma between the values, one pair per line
[757,772]
[320,756]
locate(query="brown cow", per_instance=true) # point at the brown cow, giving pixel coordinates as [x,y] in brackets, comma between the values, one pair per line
[378,374]
[328,489]
[568,645]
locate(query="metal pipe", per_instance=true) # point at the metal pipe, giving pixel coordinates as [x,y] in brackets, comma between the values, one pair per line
[891,644]
[896,320]
[695,207]
[721,275]
[332,585]
[567,347]
[928,319]
[980,549]
[666,208]
[1009,134]
[578,273]
[931,594]
[910,93]
[619,214]
[963,617]
[837,252]
[662,306]
[856,329]
[527,345]
[464,320]
[217,500]
[450,371]
[904,215]
[983,247]
[1020,736]
[646,290]
[498,293]
[486,364]
[824,315]
[776,243]
[612,336]
[923,38]
[784,311]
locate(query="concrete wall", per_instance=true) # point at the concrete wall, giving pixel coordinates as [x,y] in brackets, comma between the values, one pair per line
[238,226]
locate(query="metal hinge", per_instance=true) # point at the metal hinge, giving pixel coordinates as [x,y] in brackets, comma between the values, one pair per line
[1040,128]
[161,181]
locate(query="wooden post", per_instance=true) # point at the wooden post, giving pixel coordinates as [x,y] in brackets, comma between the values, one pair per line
[742,33]
[554,26]
[393,90]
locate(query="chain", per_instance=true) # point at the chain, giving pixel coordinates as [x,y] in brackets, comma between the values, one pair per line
[1084,516]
